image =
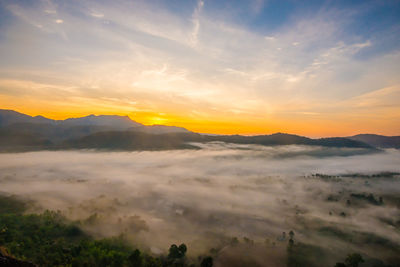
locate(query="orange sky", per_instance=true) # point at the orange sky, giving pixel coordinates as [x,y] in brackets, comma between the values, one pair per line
[219,123]
[314,75]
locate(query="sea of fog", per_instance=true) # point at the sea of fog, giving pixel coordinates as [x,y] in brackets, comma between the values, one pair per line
[206,197]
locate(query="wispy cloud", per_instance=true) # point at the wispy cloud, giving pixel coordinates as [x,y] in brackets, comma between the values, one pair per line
[197,60]
[196,23]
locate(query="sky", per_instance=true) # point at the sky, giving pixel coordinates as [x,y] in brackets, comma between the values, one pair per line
[314,68]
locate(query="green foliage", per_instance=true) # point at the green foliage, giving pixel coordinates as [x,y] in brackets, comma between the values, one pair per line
[9,204]
[45,240]
[176,255]
[48,239]
[135,259]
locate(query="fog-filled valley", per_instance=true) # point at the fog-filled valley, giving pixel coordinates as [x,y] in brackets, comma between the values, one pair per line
[199,133]
[244,205]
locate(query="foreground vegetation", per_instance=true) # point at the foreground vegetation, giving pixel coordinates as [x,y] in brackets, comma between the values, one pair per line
[47,239]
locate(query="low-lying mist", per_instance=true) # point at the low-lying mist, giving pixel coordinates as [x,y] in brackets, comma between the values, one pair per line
[204,198]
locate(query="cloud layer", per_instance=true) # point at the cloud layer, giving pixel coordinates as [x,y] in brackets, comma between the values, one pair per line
[206,197]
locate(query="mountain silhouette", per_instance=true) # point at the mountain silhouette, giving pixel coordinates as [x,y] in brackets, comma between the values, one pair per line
[20,132]
[8,117]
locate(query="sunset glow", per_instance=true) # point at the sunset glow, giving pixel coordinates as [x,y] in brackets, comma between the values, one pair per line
[226,67]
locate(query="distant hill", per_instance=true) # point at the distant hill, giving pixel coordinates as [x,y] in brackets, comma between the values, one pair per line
[8,117]
[53,132]
[116,122]
[290,139]
[378,140]
[160,129]
[134,140]
[129,140]
[20,141]
[20,132]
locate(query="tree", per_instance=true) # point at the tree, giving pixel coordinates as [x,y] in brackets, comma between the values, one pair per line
[182,248]
[176,252]
[135,259]
[353,260]
[291,234]
[207,262]
[234,241]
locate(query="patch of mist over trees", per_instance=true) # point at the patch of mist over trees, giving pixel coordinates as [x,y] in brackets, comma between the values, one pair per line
[241,207]
[49,239]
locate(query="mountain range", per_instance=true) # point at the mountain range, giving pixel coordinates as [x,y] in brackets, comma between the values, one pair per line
[21,132]
[11,117]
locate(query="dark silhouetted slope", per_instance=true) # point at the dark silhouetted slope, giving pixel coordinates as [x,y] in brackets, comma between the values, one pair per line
[132,140]
[116,122]
[289,139]
[127,140]
[378,140]
[20,141]
[160,129]
[8,117]
[20,132]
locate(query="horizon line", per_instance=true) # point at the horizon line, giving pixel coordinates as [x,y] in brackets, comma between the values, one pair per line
[203,133]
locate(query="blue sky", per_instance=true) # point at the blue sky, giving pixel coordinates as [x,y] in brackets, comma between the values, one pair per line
[250,66]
